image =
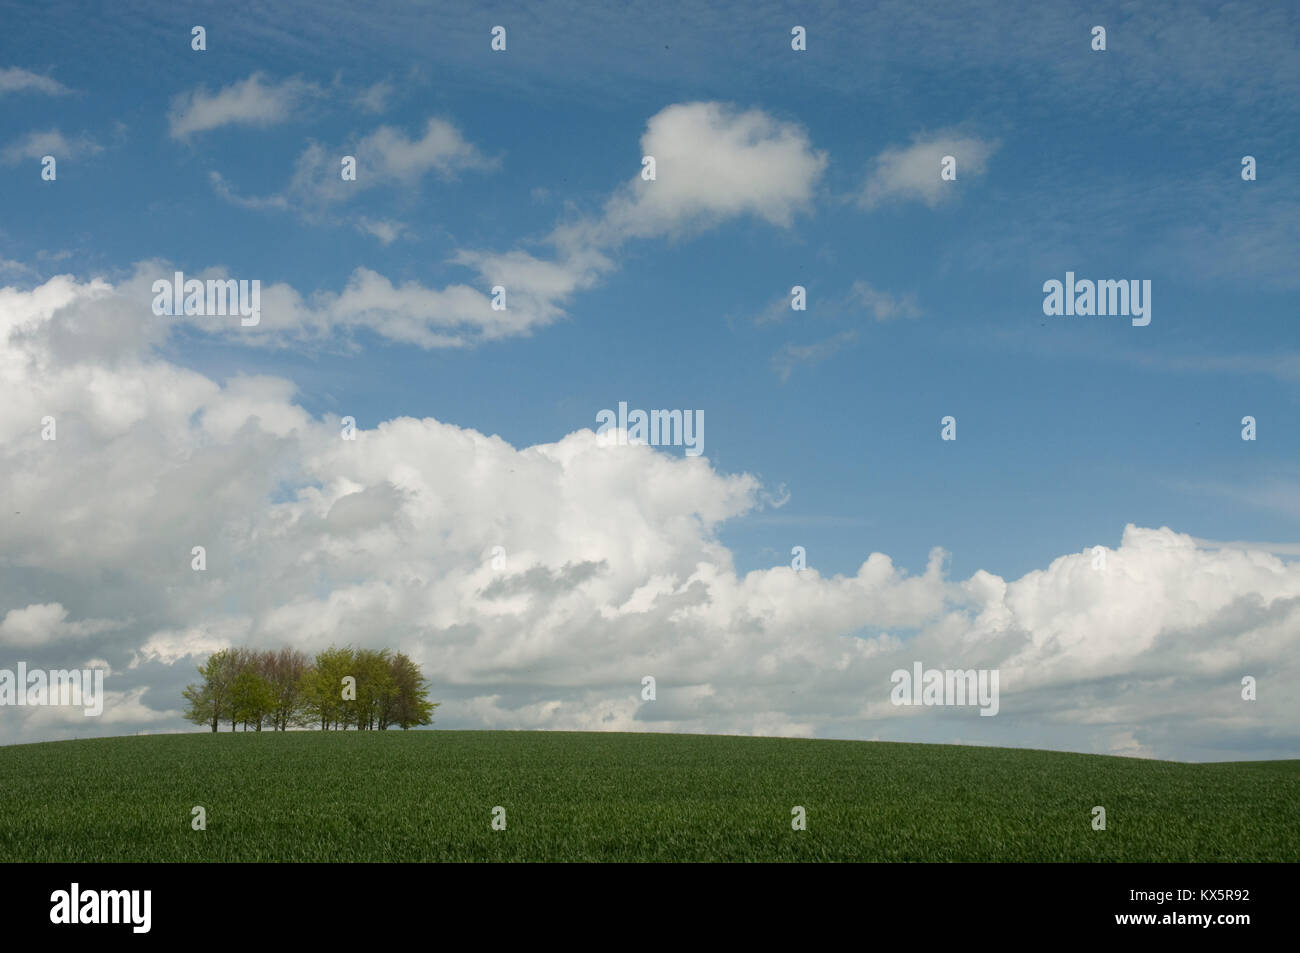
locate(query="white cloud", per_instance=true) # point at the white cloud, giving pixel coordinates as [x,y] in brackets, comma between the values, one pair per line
[374,98]
[387,157]
[455,315]
[121,708]
[1124,743]
[613,571]
[793,355]
[534,285]
[41,624]
[14,79]
[223,189]
[883,305]
[195,642]
[252,102]
[392,155]
[912,172]
[713,162]
[1281,549]
[36,145]
[414,314]
[10,267]
[386,230]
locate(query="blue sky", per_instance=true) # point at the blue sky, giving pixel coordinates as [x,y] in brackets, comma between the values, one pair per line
[1116,164]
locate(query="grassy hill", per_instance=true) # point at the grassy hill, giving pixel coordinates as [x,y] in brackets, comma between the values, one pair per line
[429,795]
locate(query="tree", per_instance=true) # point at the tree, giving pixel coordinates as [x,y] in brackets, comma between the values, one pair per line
[322,688]
[203,709]
[313,705]
[210,702]
[252,698]
[375,688]
[411,705]
[283,688]
[233,664]
[284,671]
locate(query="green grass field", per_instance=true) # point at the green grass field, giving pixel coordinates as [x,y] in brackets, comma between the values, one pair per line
[429,795]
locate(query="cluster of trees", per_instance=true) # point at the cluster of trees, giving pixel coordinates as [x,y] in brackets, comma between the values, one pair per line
[343,688]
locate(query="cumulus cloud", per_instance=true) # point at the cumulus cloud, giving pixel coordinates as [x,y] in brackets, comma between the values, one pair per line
[170,646]
[538,283]
[251,102]
[414,314]
[713,163]
[45,623]
[395,156]
[15,79]
[122,709]
[907,172]
[613,570]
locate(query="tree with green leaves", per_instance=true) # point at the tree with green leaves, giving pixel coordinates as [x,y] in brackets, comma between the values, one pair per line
[283,671]
[323,688]
[234,665]
[370,689]
[252,698]
[375,688]
[411,705]
[203,708]
[210,701]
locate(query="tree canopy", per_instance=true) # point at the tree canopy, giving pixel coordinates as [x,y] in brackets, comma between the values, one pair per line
[366,689]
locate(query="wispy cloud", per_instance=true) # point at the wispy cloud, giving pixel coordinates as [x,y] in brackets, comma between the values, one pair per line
[16,268]
[1274,494]
[250,102]
[390,156]
[387,157]
[36,145]
[374,98]
[794,355]
[907,172]
[883,305]
[385,230]
[15,79]
[880,305]
[252,202]
[1277,549]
